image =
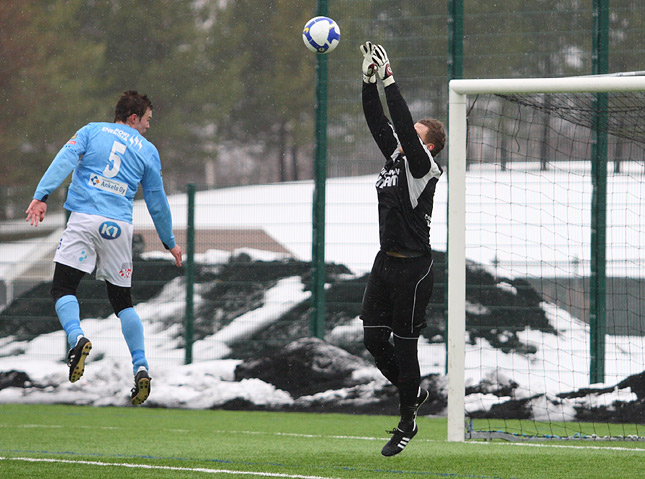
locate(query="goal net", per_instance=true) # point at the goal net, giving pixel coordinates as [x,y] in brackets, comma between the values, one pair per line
[546,258]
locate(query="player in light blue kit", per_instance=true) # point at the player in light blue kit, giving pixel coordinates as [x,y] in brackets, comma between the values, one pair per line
[108,161]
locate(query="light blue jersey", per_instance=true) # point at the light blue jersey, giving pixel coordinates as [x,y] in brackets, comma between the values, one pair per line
[109,161]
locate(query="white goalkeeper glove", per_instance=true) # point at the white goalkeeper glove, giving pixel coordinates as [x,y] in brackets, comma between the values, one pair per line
[383,69]
[369,68]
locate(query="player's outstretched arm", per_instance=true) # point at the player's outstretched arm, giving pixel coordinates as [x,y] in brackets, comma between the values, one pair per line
[36,212]
[159,209]
[418,158]
[373,110]
[176,253]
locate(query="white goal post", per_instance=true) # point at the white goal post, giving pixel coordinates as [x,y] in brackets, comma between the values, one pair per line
[457,130]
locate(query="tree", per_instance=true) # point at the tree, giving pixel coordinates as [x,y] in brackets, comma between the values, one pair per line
[47,70]
[260,43]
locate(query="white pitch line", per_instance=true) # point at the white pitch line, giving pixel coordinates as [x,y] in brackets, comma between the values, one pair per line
[74,426]
[309,436]
[561,446]
[164,468]
[287,434]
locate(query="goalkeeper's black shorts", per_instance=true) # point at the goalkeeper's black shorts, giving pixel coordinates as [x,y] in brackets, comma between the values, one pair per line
[397,294]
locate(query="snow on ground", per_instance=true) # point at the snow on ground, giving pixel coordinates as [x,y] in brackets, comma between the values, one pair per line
[561,363]
[208,382]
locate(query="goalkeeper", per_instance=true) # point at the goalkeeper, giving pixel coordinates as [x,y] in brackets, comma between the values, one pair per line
[401,281]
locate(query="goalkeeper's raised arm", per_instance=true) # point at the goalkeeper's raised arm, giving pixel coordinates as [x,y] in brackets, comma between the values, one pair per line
[377,122]
[421,141]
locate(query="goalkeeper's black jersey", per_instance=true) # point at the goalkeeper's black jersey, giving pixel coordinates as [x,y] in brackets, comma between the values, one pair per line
[407,182]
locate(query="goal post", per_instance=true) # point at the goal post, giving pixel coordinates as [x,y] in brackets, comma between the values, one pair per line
[460,93]
[457,130]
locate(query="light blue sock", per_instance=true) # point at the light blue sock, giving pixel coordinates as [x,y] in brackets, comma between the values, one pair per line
[133,333]
[69,315]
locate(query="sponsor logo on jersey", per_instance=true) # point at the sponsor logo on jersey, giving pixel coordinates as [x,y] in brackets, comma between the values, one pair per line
[388,178]
[107,184]
[134,140]
[109,230]
[115,131]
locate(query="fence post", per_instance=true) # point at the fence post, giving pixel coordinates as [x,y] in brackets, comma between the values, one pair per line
[598,289]
[189,317]
[317,324]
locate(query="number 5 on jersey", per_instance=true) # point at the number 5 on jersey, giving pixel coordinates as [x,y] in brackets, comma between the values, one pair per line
[114,162]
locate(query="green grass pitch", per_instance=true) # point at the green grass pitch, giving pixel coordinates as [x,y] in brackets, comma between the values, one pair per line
[45,441]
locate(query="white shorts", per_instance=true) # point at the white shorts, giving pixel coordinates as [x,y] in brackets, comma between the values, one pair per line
[91,241]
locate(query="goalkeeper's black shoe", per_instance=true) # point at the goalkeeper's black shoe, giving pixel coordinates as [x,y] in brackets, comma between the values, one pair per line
[400,439]
[141,389]
[76,358]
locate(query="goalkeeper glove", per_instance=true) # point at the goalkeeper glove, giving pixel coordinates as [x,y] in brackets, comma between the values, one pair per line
[368,64]
[383,68]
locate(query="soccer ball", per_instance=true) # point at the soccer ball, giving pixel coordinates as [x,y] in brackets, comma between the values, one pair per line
[321,34]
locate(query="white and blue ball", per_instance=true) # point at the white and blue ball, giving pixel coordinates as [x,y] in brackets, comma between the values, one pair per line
[321,35]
